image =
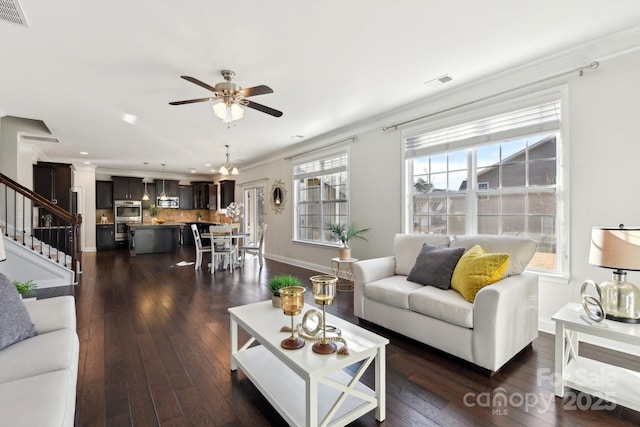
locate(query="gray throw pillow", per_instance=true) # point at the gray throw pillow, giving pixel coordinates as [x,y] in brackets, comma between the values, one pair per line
[434,266]
[15,322]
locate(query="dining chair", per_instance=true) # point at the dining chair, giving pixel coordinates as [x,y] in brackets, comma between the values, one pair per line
[256,248]
[199,248]
[223,244]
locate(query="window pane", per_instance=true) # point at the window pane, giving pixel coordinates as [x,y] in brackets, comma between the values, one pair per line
[487,225]
[542,203]
[439,163]
[457,205]
[542,172]
[421,185]
[543,147]
[513,204]
[513,175]
[456,225]
[456,179]
[490,176]
[488,155]
[439,181]
[458,160]
[488,204]
[513,225]
[513,151]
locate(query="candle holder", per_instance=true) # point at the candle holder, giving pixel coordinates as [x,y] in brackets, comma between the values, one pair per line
[292,301]
[324,291]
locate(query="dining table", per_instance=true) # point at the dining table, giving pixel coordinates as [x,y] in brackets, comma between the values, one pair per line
[235,237]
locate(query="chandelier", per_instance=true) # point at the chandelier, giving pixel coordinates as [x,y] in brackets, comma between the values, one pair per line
[227,168]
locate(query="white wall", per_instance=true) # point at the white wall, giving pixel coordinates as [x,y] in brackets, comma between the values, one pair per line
[84,183]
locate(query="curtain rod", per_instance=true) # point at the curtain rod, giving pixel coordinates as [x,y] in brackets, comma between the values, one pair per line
[351,138]
[591,66]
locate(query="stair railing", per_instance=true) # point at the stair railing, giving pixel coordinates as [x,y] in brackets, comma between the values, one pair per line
[30,218]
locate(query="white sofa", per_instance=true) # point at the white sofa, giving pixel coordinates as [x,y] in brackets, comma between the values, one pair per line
[38,375]
[501,321]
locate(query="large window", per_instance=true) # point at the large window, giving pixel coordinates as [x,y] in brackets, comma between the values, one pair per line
[320,197]
[493,176]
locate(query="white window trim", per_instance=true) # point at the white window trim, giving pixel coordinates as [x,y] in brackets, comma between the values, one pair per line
[319,154]
[562,161]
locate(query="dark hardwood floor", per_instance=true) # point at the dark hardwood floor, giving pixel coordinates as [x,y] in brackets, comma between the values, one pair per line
[154,350]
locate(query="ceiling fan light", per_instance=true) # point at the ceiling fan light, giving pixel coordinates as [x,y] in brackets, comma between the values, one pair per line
[228,112]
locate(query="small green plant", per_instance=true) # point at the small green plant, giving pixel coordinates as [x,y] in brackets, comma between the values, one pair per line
[278,282]
[154,210]
[25,288]
[344,234]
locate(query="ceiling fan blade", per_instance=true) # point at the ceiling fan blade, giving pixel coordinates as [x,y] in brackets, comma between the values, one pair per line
[262,108]
[199,83]
[256,90]
[191,101]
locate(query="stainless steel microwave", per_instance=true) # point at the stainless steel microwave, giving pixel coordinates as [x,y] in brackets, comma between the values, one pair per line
[168,203]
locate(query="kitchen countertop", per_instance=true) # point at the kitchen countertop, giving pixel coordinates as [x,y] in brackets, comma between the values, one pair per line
[150,225]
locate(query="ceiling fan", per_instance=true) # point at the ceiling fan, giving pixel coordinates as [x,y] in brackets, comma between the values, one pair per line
[231,96]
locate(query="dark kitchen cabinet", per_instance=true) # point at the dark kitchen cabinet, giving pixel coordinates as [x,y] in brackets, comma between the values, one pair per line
[127,188]
[202,195]
[105,236]
[227,193]
[170,187]
[213,197]
[151,189]
[53,182]
[186,197]
[104,195]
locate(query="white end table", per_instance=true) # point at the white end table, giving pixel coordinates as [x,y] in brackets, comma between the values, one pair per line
[343,269]
[608,382]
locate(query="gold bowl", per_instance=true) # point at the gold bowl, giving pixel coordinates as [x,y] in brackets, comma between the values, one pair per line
[160,220]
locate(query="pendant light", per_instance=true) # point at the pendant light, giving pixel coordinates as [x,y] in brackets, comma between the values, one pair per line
[145,196]
[163,195]
[227,168]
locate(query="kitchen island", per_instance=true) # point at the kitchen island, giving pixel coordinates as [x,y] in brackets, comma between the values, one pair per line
[154,238]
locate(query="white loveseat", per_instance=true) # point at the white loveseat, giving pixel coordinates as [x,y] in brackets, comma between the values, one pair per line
[38,375]
[502,320]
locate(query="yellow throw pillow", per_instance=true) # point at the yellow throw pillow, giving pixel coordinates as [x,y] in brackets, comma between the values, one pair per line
[477,269]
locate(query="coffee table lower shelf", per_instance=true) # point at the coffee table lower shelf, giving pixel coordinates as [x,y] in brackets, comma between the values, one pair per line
[286,390]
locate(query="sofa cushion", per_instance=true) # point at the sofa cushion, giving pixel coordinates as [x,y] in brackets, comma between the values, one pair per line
[446,305]
[46,352]
[393,291]
[477,269]
[43,400]
[406,248]
[15,323]
[51,314]
[434,266]
[520,249]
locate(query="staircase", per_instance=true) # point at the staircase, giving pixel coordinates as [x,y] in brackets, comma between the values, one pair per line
[41,239]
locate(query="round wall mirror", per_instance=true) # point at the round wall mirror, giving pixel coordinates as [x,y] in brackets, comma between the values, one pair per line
[278,196]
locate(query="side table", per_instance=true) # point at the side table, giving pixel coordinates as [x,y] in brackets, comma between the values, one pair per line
[343,269]
[611,383]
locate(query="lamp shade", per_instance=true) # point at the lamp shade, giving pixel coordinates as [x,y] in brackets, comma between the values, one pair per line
[3,255]
[617,248]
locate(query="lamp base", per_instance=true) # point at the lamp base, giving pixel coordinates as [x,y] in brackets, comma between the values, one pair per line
[623,319]
[292,343]
[327,348]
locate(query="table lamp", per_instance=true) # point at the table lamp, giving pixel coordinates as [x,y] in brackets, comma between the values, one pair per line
[618,249]
[292,301]
[324,291]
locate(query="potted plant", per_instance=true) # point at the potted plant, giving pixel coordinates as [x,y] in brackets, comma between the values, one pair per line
[278,282]
[26,289]
[344,234]
[154,211]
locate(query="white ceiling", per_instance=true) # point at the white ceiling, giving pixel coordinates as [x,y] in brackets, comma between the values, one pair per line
[81,65]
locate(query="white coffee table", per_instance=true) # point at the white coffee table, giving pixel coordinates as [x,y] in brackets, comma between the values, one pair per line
[304,387]
[605,381]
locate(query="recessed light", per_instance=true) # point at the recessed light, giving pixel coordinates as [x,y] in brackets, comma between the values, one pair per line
[129,118]
[87,163]
[297,136]
[84,153]
[213,170]
[207,164]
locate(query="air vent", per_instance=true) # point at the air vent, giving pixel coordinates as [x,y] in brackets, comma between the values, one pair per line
[39,138]
[11,11]
[438,81]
